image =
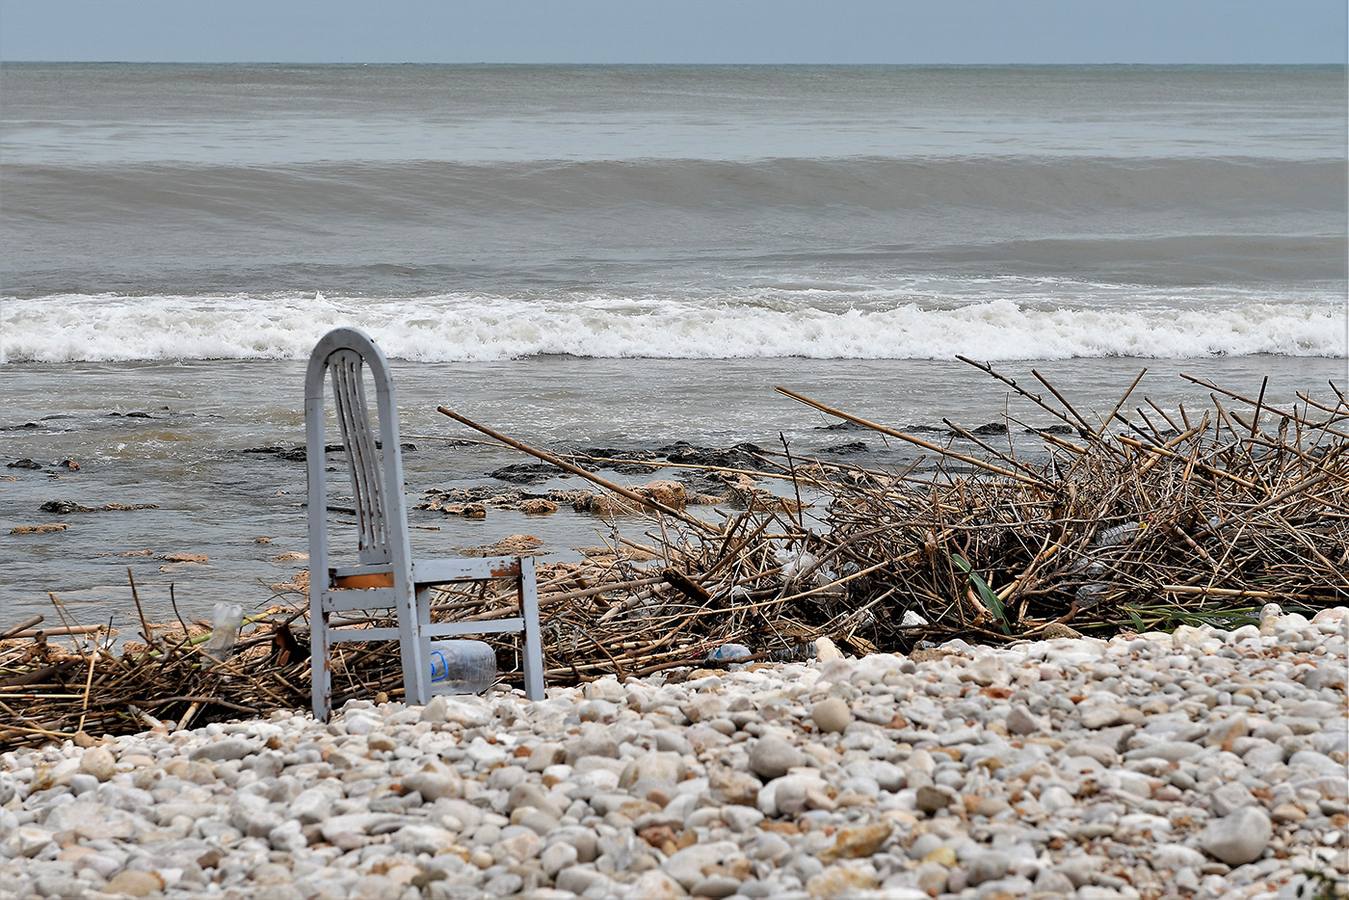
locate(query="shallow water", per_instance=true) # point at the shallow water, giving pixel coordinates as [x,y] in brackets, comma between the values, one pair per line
[213,498]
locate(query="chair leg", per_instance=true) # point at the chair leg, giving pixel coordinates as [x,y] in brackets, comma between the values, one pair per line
[416,679]
[423,604]
[321,673]
[529,610]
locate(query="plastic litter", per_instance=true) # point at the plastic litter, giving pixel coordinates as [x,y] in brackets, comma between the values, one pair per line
[729,653]
[462,667]
[225,621]
[1118,534]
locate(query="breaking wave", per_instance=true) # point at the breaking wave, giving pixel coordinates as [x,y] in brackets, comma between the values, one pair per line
[803,323]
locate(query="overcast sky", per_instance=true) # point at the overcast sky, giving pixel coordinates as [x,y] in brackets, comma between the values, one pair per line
[678,31]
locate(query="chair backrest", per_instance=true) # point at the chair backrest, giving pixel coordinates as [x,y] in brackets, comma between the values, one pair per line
[345,354]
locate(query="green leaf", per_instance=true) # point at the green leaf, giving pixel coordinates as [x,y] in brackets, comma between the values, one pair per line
[985,592]
[1136,619]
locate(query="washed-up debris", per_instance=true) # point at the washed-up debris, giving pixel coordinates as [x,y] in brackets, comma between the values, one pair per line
[1134,521]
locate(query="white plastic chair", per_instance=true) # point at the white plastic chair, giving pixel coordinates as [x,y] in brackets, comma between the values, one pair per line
[386,576]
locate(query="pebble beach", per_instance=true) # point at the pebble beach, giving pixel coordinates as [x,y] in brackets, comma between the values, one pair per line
[1200,763]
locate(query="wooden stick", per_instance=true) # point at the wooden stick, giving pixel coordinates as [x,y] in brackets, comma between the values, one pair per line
[1221,473]
[58,631]
[928,445]
[88,683]
[1322,426]
[136,598]
[1234,592]
[577,470]
[22,626]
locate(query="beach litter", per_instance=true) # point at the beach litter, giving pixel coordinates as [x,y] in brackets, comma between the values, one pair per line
[1142,520]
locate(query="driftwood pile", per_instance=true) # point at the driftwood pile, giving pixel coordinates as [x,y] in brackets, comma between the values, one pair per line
[1141,519]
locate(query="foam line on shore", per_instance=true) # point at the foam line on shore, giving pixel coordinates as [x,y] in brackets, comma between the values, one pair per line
[475,328]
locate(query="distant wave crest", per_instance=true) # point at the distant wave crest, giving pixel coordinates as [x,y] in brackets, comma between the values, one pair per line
[397,191]
[463,328]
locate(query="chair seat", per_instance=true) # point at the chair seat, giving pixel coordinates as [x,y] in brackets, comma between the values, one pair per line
[428,572]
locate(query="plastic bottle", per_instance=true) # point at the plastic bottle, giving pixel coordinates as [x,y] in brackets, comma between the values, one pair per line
[462,667]
[728,653]
[1118,534]
[225,621]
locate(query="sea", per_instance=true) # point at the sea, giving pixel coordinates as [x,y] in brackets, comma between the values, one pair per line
[611,256]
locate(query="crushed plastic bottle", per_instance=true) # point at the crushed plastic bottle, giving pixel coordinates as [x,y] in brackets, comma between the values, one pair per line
[1090,595]
[1118,534]
[462,667]
[225,621]
[1110,537]
[799,567]
[728,653]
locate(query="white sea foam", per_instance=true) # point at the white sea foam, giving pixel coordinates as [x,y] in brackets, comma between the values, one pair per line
[68,328]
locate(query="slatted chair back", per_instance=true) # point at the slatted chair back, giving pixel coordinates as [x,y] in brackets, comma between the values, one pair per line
[347,371]
[376,478]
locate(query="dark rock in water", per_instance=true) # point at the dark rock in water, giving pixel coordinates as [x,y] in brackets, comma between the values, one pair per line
[844,425]
[70,465]
[623,468]
[299,454]
[922,429]
[615,453]
[853,447]
[296,454]
[23,464]
[630,468]
[990,428]
[1053,429]
[479,494]
[592,458]
[525,473]
[741,456]
[65,507]
[56,416]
